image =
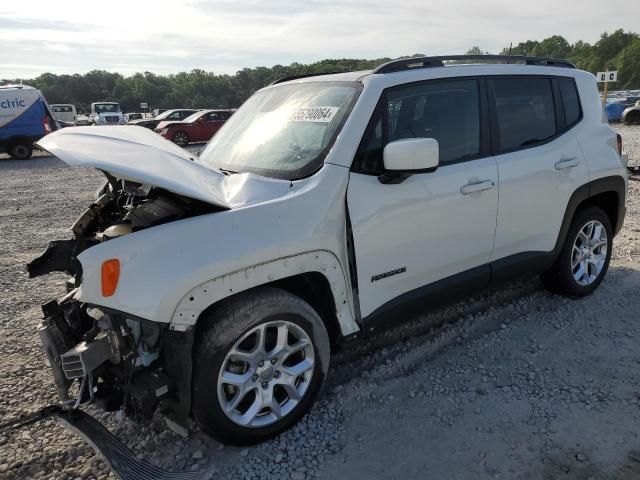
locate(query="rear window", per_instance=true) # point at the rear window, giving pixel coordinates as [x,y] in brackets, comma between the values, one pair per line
[525,111]
[570,100]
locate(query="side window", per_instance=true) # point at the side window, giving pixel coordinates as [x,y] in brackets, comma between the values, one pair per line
[570,100]
[525,111]
[176,116]
[213,116]
[448,111]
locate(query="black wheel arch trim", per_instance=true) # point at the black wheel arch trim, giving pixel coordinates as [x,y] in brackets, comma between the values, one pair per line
[613,183]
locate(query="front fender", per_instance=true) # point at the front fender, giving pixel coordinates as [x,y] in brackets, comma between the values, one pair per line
[194,302]
[162,267]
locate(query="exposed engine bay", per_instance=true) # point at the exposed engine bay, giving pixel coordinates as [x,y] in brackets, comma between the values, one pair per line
[115,360]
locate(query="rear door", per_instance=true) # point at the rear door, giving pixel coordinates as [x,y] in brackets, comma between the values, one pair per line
[539,160]
[431,226]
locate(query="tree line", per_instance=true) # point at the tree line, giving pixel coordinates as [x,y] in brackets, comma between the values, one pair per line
[200,89]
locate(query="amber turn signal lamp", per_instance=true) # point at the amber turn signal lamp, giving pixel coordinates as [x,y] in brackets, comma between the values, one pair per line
[110,276]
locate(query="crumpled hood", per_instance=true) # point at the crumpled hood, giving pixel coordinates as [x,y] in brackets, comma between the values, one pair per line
[137,154]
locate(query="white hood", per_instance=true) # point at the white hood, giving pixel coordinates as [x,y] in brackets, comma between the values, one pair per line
[136,153]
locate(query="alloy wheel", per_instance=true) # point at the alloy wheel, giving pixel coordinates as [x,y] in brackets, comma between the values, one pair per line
[181,138]
[266,374]
[589,253]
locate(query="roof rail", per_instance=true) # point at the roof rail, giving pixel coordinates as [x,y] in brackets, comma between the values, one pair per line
[428,62]
[304,75]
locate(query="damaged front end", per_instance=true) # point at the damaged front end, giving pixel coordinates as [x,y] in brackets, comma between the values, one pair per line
[98,355]
[113,359]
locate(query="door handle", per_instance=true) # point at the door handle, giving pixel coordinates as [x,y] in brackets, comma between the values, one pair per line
[566,163]
[476,187]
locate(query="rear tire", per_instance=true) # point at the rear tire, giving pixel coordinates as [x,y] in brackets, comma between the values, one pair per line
[259,362]
[20,150]
[582,265]
[180,138]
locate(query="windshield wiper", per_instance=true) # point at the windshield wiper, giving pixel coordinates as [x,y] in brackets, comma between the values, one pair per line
[227,172]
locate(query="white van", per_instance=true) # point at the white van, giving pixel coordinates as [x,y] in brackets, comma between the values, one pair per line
[64,112]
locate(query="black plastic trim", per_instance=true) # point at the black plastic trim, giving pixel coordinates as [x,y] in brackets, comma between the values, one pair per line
[391,177]
[427,297]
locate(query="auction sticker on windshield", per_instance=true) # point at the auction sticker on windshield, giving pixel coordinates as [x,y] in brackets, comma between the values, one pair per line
[314,114]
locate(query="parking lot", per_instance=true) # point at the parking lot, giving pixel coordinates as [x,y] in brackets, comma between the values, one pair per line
[516,383]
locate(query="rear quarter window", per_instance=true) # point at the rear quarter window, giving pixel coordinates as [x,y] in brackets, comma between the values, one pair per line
[570,100]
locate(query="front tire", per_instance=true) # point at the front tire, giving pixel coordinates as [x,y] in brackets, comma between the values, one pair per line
[584,259]
[21,150]
[259,362]
[180,138]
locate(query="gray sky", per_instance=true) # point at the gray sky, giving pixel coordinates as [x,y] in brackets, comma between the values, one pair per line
[224,36]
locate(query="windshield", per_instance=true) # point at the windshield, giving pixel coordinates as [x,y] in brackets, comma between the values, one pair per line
[164,114]
[283,132]
[193,117]
[107,108]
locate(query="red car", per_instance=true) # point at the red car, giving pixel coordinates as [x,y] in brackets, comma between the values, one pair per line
[199,127]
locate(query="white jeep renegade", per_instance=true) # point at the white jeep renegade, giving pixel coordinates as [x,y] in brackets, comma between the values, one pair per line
[216,287]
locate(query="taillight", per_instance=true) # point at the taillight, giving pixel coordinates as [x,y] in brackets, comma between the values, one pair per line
[619,138]
[110,276]
[45,124]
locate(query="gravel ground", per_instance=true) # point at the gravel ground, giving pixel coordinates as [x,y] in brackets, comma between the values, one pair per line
[515,383]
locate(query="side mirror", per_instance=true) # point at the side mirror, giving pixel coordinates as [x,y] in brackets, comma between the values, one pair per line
[403,158]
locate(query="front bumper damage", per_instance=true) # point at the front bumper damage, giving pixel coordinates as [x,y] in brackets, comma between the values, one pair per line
[114,360]
[115,363]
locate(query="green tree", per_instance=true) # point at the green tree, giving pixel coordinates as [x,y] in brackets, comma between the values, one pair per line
[474,51]
[629,65]
[554,47]
[522,48]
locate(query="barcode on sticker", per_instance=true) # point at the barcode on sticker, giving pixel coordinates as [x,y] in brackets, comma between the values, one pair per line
[314,114]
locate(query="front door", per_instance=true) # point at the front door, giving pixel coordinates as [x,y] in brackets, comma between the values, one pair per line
[430,226]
